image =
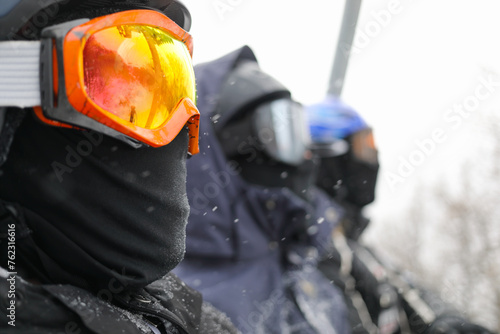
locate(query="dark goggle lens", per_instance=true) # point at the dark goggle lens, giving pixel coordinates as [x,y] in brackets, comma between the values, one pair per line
[282,129]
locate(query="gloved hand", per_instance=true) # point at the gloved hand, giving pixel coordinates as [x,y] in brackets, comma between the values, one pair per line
[455,325]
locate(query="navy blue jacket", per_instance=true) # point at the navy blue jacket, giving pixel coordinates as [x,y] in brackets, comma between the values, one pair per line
[249,249]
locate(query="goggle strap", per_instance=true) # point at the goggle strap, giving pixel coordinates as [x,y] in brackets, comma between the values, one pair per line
[20,74]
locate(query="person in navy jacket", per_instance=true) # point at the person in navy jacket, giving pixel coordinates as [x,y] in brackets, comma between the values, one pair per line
[252,244]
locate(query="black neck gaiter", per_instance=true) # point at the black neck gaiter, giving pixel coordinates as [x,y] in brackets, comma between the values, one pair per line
[101,214]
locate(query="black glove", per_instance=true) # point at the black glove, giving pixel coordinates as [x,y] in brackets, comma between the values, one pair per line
[455,325]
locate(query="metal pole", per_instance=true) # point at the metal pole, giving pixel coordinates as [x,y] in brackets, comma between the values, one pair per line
[344,45]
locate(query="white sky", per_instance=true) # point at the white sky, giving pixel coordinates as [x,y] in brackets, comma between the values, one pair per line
[409,71]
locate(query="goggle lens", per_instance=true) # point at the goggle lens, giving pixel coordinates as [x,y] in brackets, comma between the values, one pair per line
[282,128]
[138,73]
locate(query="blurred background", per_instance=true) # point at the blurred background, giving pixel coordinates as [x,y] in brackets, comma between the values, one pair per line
[426,75]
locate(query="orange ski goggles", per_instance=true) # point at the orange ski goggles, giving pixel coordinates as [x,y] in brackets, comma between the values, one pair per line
[128,75]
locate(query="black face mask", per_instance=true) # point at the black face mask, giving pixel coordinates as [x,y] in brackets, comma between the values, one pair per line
[347,179]
[100,212]
[240,143]
[350,177]
[263,171]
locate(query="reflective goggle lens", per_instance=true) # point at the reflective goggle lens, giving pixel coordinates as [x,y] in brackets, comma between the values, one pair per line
[363,146]
[138,73]
[282,128]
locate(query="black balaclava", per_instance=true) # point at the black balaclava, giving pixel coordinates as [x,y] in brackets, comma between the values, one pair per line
[102,214]
[241,144]
[246,88]
[350,179]
[258,168]
[99,213]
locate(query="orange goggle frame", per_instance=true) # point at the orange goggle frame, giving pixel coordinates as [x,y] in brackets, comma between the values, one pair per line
[163,84]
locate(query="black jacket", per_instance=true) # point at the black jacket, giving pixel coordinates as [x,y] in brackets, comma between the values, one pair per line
[68,309]
[166,306]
